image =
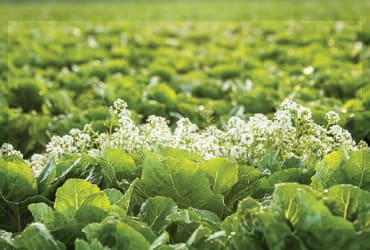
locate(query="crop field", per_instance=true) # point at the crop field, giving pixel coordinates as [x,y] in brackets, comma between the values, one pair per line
[183,129]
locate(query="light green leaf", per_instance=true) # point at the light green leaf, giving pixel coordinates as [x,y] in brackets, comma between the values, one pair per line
[94,208]
[129,200]
[224,173]
[16,180]
[39,211]
[155,210]
[284,200]
[6,242]
[114,195]
[188,220]
[139,226]
[181,154]
[160,241]
[310,218]
[76,194]
[122,163]
[343,168]
[269,163]
[351,203]
[46,175]
[14,216]
[247,184]
[35,237]
[200,233]
[267,183]
[116,235]
[181,180]
[93,245]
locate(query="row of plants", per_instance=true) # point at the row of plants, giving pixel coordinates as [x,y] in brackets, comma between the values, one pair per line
[62,75]
[155,188]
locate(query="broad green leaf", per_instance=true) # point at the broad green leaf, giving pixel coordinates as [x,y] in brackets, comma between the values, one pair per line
[188,220]
[181,180]
[116,235]
[343,168]
[155,210]
[276,232]
[114,195]
[117,211]
[284,200]
[293,162]
[93,245]
[80,167]
[139,226]
[267,183]
[269,163]
[239,236]
[224,173]
[46,175]
[252,223]
[351,203]
[248,208]
[247,184]
[198,234]
[315,220]
[77,203]
[94,208]
[130,200]
[43,213]
[181,154]
[63,229]
[193,215]
[78,194]
[35,237]
[39,211]
[67,164]
[14,216]
[6,242]
[160,241]
[310,218]
[16,181]
[122,163]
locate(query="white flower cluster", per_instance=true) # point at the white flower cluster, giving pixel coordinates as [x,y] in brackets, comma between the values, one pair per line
[76,141]
[8,150]
[37,162]
[291,132]
[127,135]
[332,117]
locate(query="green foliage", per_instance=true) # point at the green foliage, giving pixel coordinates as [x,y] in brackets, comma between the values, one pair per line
[182,201]
[155,210]
[56,80]
[119,165]
[36,236]
[351,203]
[343,167]
[223,173]
[180,179]
[28,95]
[163,93]
[115,235]
[17,182]
[64,75]
[77,198]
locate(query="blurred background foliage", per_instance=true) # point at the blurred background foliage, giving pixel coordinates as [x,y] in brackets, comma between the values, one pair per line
[64,62]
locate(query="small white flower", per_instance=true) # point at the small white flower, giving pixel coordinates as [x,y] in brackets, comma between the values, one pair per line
[308,70]
[7,149]
[332,117]
[36,163]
